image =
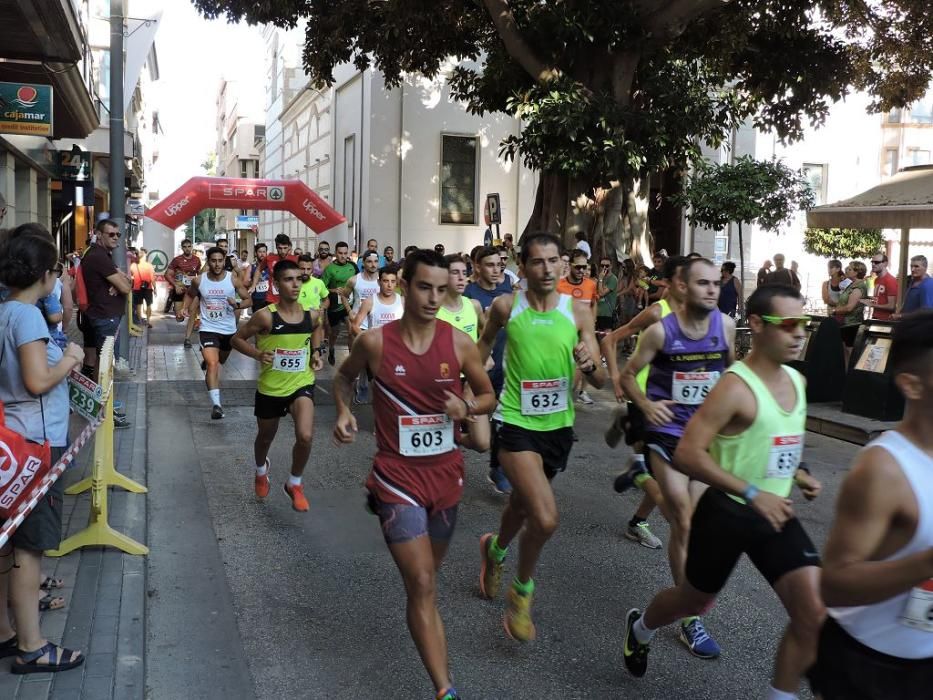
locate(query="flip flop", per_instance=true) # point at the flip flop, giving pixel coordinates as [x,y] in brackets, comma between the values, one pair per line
[51,602]
[51,583]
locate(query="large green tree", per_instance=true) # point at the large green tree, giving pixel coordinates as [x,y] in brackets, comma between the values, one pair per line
[611,91]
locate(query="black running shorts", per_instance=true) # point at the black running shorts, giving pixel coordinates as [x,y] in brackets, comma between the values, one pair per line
[722,530]
[266,406]
[219,341]
[846,669]
[553,445]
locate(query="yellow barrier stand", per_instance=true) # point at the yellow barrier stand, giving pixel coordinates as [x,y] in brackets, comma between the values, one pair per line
[134,329]
[98,532]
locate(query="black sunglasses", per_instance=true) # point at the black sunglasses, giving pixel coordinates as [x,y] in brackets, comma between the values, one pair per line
[580,267]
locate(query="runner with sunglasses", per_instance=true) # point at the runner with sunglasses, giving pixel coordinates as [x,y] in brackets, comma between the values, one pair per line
[686,353]
[746,442]
[583,290]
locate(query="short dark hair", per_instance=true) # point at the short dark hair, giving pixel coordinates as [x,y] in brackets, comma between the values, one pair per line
[283,266]
[306,257]
[260,245]
[387,249]
[99,226]
[32,228]
[283,239]
[372,240]
[340,244]
[577,253]
[538,238]
[422,256]
[689,264]
[367,253]
[485,252]
[912,342]
[835,263]
[214,249]
[217,241]
[474,251]
[388,270]
[186,240]
[409,249]
[580,236]
[694,254]
[729,267]
[761,301]
[672,266]
[25,259]
[605,257]
[454,258]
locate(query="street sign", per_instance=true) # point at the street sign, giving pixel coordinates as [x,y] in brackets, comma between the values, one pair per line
[73,165]
[159,261]
[493,210]
[246,223]
[25,109]
[85,395]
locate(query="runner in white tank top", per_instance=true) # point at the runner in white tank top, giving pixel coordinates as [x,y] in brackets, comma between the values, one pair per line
[364,285]
[376,311]
[878,569]
[222,294]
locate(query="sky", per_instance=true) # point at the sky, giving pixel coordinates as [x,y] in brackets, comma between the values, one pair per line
[194,54]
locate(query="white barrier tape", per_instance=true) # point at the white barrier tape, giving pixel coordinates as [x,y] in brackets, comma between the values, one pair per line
[26,507]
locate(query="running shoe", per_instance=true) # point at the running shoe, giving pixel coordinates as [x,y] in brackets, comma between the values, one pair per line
[490,571]
[695,637]
[187,344]
[616,430]
[626,479]
[634,653]
[447,694]
[119,408]
[217,413]
[517,621]
[120,421]
[585,399]
[297,496]
[642,534]
[262,483]
[499,481]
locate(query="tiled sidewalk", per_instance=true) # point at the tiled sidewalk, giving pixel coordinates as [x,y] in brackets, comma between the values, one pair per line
[104,614]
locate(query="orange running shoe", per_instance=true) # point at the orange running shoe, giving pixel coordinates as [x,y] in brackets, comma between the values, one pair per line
[262,483]
[297,494]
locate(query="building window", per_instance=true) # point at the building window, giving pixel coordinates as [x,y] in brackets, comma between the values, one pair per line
[922,112]
[815,174]
[890,161]
[458,179]
[244,168]
[918,156]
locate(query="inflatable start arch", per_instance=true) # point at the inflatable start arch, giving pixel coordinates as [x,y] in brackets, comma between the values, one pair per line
[242,193]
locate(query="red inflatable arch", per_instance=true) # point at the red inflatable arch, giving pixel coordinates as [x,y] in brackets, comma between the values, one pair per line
[243,193]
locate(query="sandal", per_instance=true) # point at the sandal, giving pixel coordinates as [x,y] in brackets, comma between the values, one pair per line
[9,647]
[29,660]
[51,602]
[51,583]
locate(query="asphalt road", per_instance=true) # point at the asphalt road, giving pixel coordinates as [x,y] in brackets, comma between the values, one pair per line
[319,605]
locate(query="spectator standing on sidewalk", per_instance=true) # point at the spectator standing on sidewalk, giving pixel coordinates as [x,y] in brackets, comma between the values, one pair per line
[849,308]
[730,291]
[35,398]
[143,274]
[607,287]
[763,273]
[886,289]
[781,275]
[833,287]
[920,289]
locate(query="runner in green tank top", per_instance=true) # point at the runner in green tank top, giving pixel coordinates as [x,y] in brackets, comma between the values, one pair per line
[746,442]
[537,416]
[466,315]
[287,338]
[628,420]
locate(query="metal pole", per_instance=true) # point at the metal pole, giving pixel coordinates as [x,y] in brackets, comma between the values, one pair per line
[117,167]
[904,265]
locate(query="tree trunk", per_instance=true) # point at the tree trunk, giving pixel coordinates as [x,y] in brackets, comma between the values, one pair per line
[615,218]
[742,262]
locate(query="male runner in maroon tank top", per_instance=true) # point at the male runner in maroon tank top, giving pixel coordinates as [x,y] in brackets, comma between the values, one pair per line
[417,476]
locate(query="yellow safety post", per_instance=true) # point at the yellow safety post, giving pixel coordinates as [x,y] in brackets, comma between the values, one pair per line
[98,532]
[134,329]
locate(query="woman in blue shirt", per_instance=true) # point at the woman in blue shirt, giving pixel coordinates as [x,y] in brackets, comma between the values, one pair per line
[35,398]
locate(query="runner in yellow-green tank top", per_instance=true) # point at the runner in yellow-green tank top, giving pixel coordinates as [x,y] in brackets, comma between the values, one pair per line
[466,315]
[746,442]
[546,339]
[287,341]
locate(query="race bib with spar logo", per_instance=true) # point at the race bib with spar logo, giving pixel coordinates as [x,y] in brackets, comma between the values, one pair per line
[543,396]
[421,436]
[691,388]
[285,360]
[784,456]
[263,286]
[216,310]
[918,611]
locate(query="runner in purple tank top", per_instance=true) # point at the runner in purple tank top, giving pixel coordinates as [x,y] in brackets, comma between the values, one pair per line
[686,351]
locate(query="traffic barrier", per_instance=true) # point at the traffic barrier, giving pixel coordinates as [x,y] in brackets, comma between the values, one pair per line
[133,328]
[98,532]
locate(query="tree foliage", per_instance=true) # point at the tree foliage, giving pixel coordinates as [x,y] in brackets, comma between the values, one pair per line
[749,191]
[843,242]
[609,91]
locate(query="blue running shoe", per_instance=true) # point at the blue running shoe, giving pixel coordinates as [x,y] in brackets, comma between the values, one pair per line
[695,637]
[499,481]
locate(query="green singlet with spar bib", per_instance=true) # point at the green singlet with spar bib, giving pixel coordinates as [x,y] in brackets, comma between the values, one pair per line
[290,345]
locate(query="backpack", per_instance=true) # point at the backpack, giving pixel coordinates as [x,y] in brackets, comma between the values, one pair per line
[81,290]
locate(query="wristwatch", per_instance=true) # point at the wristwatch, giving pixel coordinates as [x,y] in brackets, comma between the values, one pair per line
[749,493]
